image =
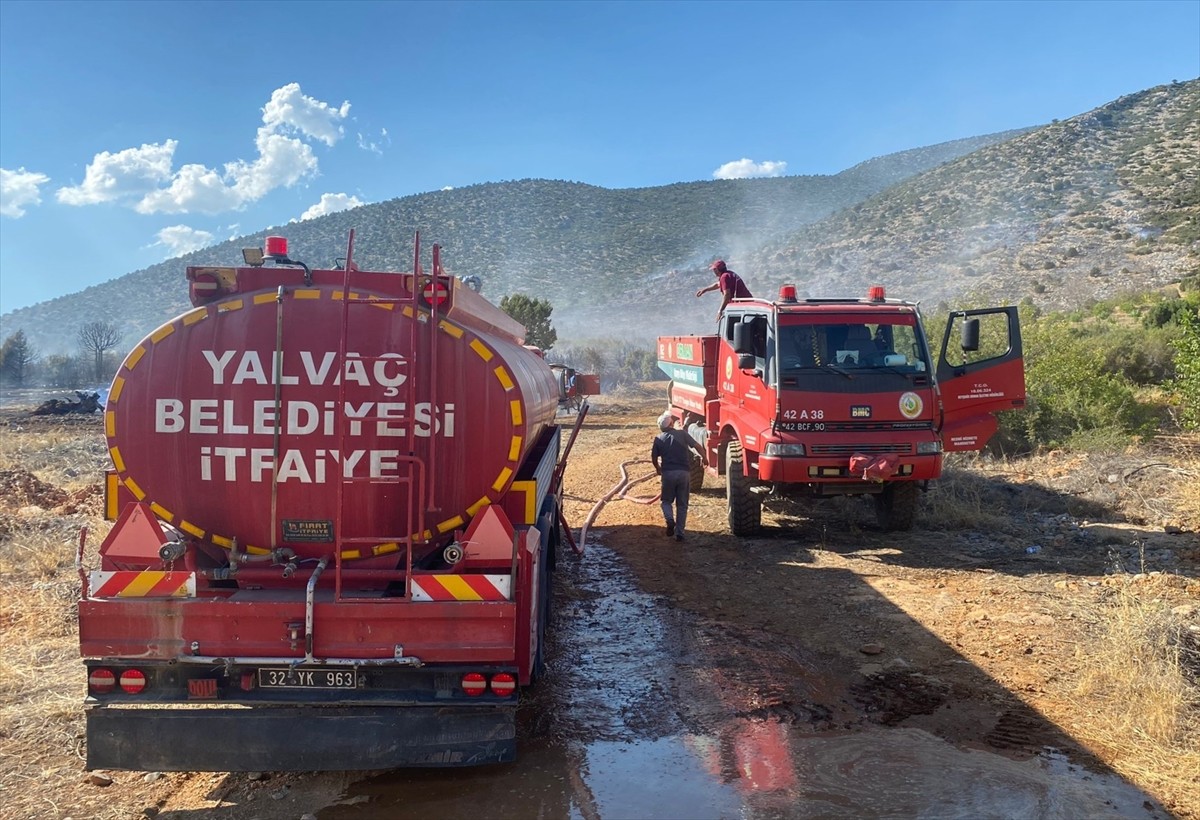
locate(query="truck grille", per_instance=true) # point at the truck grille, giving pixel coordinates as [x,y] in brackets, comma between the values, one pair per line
[866,449]
[876,426]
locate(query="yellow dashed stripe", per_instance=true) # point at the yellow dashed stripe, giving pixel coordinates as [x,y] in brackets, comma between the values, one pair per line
[263,298]
[118,462]
[514,449]
[191,529]
[162,512]
[350,555]
[110,423]
[477,506]
[118,385]
[162,333]
[134,488]
[134,357]
[193,316]
[453,330]
[515,407]
[502,479]
[505,379]
[232,304]
[307,293]
[221,541]
[482,350]
[450,523]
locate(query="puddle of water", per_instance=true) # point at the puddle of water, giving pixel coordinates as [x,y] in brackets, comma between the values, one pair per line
[655,779]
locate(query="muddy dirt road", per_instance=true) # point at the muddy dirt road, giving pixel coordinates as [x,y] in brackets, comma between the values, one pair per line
[823,669]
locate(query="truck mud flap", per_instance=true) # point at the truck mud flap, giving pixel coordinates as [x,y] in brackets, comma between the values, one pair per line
[298,739]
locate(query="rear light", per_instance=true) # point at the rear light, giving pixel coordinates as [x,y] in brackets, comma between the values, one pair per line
[133,681]
[503,684]
[474,684]
[101,681]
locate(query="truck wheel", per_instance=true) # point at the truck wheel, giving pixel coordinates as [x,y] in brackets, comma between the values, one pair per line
[745,510]
[696,474]
[896,506]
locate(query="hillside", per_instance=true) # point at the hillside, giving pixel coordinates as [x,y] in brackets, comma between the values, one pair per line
[579,245]
[1087,208]
[1104,203]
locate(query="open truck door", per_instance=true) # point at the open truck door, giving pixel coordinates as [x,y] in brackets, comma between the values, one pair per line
[979,373]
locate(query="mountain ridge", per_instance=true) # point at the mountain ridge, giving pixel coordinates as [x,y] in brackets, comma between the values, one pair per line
[1059,215]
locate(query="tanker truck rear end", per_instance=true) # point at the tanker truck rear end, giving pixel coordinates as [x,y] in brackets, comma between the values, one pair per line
[337,498]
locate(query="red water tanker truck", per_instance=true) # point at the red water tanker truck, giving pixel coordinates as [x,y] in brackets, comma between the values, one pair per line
[336,497]
[819,398]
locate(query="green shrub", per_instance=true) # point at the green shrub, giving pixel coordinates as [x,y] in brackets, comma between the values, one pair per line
[1187,370]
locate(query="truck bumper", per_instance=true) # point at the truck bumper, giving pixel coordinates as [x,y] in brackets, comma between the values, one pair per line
[298,739]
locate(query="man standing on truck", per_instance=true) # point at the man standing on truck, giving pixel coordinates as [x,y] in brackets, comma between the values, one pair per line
[728,282]
[671,455]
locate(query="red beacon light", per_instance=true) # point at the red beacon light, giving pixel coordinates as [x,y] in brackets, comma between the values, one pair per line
[787,293]
[876,293]
[276,247]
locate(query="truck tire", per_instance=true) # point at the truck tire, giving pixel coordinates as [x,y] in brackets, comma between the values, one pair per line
[896,506]
[745,510]
[696,476]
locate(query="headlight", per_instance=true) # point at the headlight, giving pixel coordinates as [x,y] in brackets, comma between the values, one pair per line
[776,449]
[928,448]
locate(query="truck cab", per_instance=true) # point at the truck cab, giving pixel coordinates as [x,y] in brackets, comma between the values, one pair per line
[827,397]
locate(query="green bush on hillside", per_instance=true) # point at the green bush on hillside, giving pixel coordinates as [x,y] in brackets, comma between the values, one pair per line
[1187,371]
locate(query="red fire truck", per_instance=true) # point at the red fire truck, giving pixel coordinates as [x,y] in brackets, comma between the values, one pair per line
[830,397]
[337,498]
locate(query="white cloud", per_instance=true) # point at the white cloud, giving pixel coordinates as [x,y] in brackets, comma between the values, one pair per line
[139,174]
[122,176]
[19,189]
[290,108]
[180,239]
[747,168]
[330,204]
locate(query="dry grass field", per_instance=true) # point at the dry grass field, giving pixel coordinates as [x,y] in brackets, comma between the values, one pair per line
[1098,628]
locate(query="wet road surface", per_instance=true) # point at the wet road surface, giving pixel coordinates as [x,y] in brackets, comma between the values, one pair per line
[652,712]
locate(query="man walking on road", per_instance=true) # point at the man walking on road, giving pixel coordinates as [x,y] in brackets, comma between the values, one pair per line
[671,455]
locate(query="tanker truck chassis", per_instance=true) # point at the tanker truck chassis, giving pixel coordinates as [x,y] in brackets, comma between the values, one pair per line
[337,502]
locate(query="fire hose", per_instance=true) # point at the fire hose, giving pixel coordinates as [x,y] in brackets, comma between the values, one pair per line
[621,492]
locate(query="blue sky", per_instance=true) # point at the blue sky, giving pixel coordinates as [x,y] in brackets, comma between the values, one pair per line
[131,132]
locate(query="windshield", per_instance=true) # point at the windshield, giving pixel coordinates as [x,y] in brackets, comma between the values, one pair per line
[851,349]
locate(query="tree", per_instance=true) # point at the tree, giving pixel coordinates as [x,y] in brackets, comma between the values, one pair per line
[17,355]
[60,370]
[98,338]
[535,315]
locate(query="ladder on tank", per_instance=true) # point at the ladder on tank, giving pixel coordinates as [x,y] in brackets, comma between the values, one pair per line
[414,482]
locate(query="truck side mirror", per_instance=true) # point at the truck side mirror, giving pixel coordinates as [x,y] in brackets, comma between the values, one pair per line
[970,334]
[743,340]
[745,361]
